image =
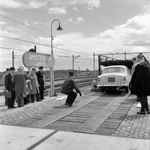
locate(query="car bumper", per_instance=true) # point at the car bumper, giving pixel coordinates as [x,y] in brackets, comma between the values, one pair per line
[112,85]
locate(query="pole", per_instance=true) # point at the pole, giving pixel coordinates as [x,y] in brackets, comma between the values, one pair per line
[99,64]
[72,62]
[124,55]
[94,63]
[52,69]
[13,57]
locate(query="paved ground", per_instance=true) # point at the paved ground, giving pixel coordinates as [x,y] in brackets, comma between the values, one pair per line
[108,115]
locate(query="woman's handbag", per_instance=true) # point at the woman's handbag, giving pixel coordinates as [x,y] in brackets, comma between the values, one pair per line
[7,94]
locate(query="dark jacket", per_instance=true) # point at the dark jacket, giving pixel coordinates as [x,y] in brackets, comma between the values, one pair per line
[140,83]
[68,86]
[9,85]
[40,78]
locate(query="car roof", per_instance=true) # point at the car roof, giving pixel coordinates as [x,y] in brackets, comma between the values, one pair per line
[116,66]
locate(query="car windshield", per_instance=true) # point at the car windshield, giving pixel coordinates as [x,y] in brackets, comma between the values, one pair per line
[114,70]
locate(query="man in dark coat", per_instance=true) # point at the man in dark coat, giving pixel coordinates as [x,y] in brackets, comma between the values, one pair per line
[9,85]
[7,71]
[68,87]
[140,84]
[40,77]
[19,80]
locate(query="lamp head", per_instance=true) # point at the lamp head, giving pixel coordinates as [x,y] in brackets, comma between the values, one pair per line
[59,28]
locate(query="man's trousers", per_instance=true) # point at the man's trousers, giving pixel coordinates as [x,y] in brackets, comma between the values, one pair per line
[144,103]
[71,97]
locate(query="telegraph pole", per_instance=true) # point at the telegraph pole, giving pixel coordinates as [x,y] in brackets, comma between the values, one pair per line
[94,63]
[72,62]
[13,57]
[124,55]
[99,65]
[73,59]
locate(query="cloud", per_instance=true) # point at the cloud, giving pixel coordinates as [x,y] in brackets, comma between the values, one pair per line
[70,19]
[3,23]
[26,22]
[74,8]
[3,12]
[11,4]
[36,4]
[20,4]
[78,20]
[54,4]
[57,10]
[135,32]
[37,23]
[90,3]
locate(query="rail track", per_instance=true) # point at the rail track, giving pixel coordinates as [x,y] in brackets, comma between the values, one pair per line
[85,81]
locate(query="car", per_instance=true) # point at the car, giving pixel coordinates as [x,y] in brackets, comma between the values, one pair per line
[115,77]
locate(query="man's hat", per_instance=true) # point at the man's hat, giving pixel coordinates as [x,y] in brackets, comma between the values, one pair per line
[7,69]
[20,68]
[41,67]
[12,68]
[71,73]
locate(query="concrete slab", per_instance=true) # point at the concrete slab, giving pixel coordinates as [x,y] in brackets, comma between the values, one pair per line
[18,138]
[54,117]
[92,124]
[79,141]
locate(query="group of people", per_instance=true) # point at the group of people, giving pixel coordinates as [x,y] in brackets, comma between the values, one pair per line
[140,82]
[23,87]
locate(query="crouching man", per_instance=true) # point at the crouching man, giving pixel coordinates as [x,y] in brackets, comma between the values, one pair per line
[68,87]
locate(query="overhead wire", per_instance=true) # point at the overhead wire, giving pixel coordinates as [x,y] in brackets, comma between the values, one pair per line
[42,31]
[26,41]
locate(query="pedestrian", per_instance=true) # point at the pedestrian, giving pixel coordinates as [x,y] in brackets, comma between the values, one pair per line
[94,85]
[134,60]
[41,81]
[34,92]
[141,83]
[67,88]
[28,88]
[7,71]
[9,85]
[20,86]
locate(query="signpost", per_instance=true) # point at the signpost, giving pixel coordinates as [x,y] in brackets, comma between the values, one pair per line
[35,60]
[31,59]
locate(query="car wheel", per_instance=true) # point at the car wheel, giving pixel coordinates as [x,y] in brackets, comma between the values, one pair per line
[102,89]
[126,89]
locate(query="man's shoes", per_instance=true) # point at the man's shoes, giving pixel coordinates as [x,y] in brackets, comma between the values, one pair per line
[141,112]
[68,105]
[148,112]
[13,107]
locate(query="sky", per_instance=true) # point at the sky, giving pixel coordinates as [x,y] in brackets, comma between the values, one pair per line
[103,27]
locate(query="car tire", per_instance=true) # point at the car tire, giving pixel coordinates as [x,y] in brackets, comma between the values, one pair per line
[126,89]
[102,89]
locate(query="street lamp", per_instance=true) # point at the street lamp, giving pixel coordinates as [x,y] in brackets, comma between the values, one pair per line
[73,59]
[52,69]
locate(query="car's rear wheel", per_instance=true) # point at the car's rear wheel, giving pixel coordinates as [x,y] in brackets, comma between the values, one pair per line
[126,89]
[102,89]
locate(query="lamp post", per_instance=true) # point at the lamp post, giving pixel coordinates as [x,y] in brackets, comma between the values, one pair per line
[73,59]
[52,69]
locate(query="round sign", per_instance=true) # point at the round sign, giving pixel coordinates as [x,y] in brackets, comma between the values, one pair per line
[32,59]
